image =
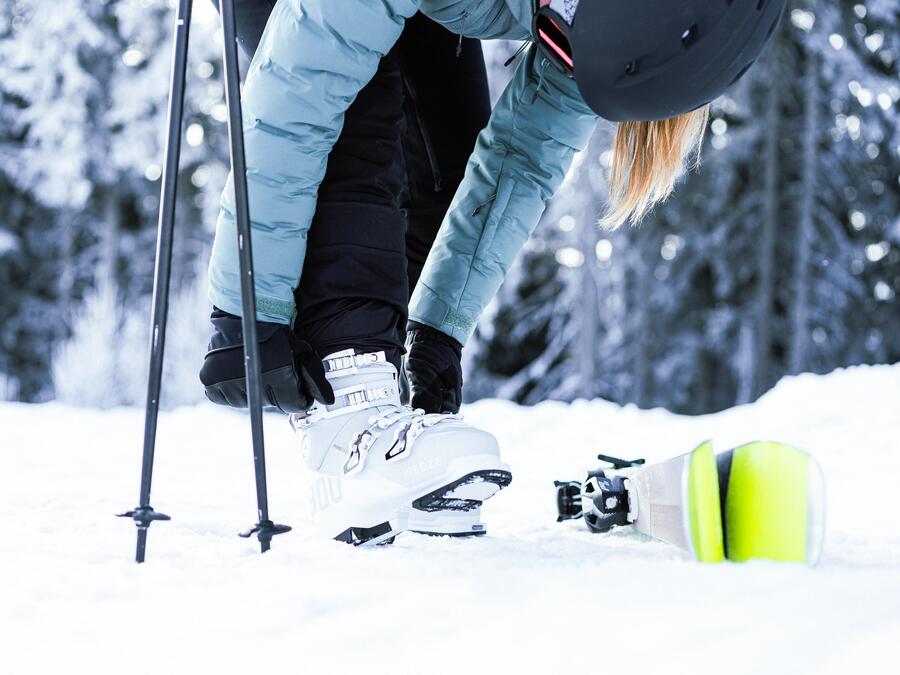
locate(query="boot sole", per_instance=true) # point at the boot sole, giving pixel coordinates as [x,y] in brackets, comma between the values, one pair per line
[463,494]
[455,535]
[466,493]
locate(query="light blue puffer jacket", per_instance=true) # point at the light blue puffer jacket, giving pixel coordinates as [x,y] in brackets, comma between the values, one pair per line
[314,58]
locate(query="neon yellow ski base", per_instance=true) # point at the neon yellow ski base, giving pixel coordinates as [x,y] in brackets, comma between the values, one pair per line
[704,513]
[767,509]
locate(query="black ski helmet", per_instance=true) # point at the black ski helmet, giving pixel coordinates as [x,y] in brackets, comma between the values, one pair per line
[654,59]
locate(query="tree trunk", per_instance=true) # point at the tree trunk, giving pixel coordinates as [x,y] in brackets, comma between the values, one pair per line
[766,261]
[109,252]
[69,269]
[589,301]
[643,264]
[745,364]
[799,348]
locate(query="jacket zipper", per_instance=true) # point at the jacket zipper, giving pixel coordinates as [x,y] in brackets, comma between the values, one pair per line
[423,132]
[462,29]
[483,204]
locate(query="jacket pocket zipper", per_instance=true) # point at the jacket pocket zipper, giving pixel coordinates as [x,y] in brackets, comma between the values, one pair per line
[483,204]
[423,132]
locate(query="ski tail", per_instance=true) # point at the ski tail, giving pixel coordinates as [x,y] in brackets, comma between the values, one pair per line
[762,500]
[677,501]
[772,501]
[703,508]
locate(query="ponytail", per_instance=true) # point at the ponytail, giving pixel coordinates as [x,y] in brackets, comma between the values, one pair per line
[647,159]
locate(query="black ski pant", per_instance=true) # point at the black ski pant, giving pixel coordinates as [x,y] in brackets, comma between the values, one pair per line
[390,179]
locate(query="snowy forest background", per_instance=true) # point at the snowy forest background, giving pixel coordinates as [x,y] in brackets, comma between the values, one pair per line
[781,254]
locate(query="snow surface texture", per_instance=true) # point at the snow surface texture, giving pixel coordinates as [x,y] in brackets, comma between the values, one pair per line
[532,596]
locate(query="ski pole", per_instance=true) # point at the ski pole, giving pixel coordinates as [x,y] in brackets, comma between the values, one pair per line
[264,529]
[144,514]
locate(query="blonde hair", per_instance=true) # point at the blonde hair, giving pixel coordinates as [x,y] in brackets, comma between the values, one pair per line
[647,159]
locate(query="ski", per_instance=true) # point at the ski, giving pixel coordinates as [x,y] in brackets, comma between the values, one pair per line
[762,500]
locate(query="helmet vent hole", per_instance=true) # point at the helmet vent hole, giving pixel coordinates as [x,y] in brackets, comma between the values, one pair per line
[760,4]
[631,68]
[688,36]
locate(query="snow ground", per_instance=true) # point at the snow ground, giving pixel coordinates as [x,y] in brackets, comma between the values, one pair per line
[533,596]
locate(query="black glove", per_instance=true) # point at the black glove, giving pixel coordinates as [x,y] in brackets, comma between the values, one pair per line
[292,373]
[433,370]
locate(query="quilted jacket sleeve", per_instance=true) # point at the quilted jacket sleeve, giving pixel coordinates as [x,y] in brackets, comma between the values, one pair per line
[314,57]
[519,161]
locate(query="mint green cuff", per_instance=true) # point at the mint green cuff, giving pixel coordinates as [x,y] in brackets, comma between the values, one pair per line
[272,310]
[428,308]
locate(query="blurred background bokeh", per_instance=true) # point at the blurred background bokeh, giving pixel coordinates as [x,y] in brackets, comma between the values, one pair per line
[780,254]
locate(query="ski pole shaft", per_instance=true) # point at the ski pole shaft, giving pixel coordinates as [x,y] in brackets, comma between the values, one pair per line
[144,514]
[264,528]
[163,269]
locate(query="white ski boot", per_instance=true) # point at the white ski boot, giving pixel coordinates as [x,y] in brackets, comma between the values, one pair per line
[380,461]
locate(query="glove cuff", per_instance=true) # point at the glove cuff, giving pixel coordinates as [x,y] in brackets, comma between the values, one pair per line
[429,333]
